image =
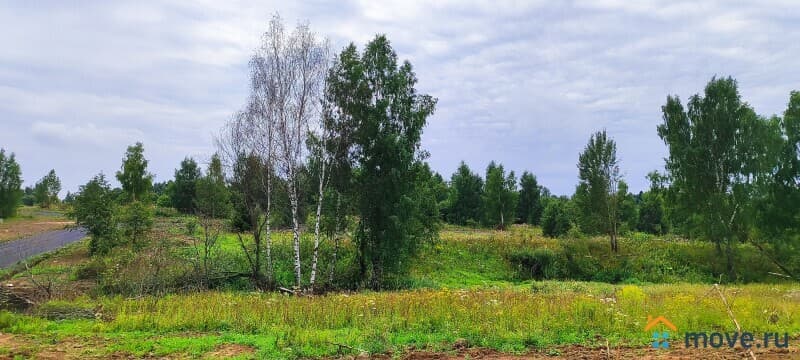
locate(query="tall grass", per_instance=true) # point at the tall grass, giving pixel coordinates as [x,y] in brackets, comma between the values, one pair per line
[551,313]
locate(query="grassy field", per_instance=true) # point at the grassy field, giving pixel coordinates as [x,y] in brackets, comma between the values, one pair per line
[464,291]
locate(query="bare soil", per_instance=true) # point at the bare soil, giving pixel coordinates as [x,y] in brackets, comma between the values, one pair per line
[21,228]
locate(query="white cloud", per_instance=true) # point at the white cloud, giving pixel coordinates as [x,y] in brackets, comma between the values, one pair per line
[520,82]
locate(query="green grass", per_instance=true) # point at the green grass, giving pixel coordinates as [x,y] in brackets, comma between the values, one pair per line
[512,320]
[460,288]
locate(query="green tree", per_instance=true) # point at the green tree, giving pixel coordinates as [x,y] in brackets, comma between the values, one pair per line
[136,181]
[499,196]
[715,158]
[597,195]
[28,197]
[556,218]
[94,209]
[529,207]
[778,204]
[46,190]
[652,218]
[466,197]
[213,197]
[213,202]
[10,185]
[136,220]
[183,188]
[382,110]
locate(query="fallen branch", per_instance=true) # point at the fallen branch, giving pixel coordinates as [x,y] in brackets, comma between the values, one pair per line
[285,290]
[341,346]
[788,274]
[730,314]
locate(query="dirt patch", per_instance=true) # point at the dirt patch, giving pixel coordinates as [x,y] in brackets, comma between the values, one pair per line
[21,228]
[229,350]
[582,352]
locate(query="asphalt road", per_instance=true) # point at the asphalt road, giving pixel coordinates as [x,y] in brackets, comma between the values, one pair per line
[14,251]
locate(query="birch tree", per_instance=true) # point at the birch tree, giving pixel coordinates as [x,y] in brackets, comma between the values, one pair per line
[292,68]
[236,149]
[716,157]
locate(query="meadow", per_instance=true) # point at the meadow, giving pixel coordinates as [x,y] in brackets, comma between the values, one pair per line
[472,288]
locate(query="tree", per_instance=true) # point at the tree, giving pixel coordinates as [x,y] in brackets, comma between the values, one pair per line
[212,203]
[10,185]
[716,149]
[597,193]
[384,115]
[292,68]
[529,208]
[28,197]
[136,220]
[183,189]
[466,197]
[555,218]
[94,210]
[46,190]
[652,217]
[136,181]
[499,196]
[778,202]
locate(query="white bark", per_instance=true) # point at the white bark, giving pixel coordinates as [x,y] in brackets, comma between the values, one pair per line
[321,196]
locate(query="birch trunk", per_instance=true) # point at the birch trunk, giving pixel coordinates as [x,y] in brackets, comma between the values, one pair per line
[321,194]
[298,276]
[335,240]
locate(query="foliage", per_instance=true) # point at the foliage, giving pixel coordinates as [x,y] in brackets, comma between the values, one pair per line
[597,197]
[183,188]
[10,185]
[717,150]
[651,214]
[529,208]
[778,204]
[555,218]
[136,181]
[47,189]
[499,196]
[94,210]
[465,202]
[540,263]
[136,219]
[378,104]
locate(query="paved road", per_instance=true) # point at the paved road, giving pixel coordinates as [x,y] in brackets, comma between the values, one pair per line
[13,251]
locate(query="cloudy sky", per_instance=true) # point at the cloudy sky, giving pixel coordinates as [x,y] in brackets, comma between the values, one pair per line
[521,82]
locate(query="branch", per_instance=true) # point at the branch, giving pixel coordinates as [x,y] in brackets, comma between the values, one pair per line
[730,314]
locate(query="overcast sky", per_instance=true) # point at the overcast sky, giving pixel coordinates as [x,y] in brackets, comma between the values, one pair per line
[521,82]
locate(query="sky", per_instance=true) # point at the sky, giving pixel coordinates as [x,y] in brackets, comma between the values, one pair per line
[524,83]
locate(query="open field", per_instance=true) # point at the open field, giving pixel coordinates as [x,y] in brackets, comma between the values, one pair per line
[32,221]
[463,297]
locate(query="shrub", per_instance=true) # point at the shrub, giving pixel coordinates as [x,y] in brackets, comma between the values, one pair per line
[555,219]
[541,263]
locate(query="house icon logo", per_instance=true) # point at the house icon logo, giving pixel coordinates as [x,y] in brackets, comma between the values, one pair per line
[660,335]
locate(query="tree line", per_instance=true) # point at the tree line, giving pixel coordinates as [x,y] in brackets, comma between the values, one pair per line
[329,146]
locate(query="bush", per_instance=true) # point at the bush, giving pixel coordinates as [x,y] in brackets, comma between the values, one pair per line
[555,219]
[540,263]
